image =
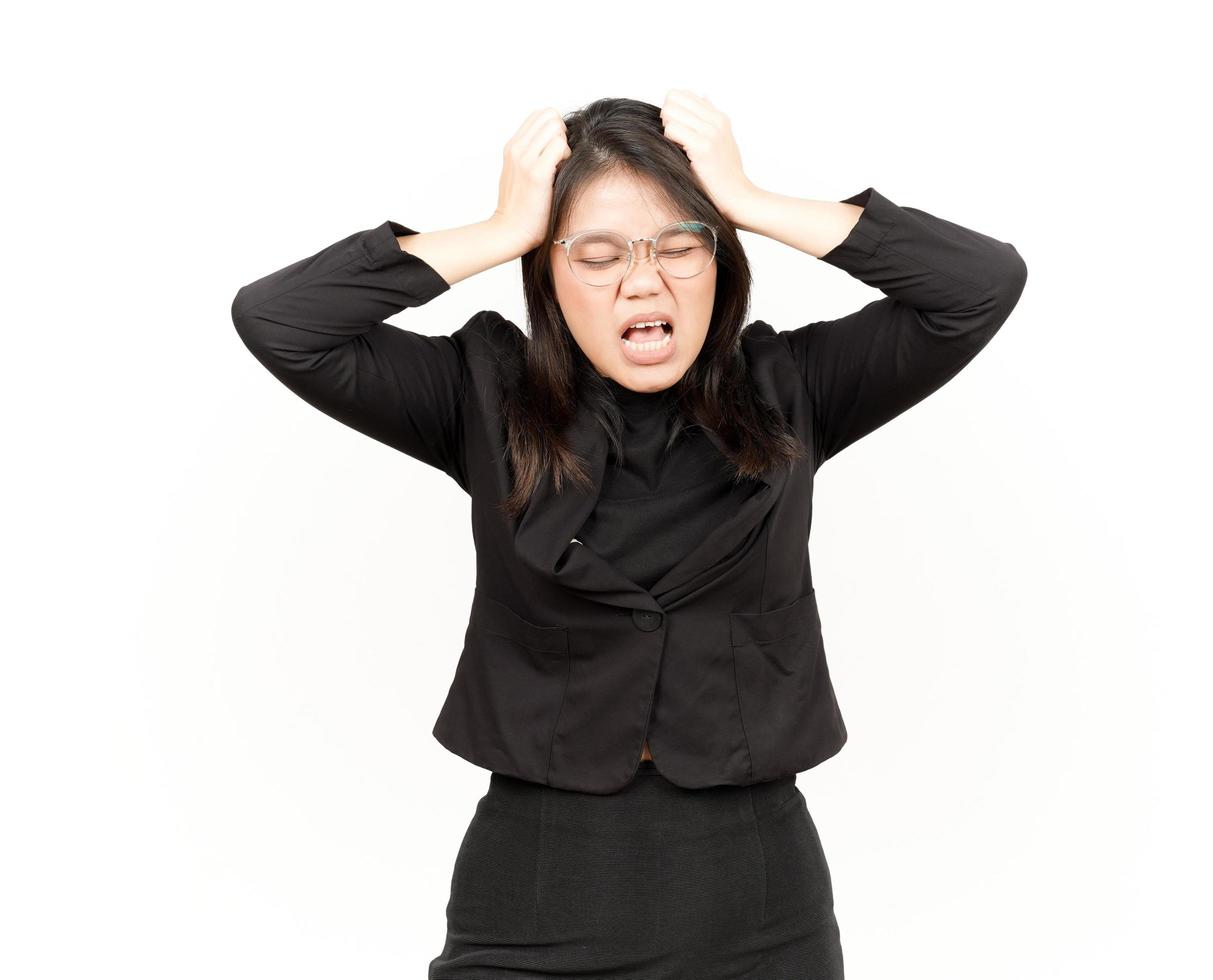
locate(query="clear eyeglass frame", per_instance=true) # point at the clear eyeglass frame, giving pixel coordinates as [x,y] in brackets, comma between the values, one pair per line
[652,251]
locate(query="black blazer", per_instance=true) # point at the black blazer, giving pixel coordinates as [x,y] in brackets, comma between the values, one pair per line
[567,665]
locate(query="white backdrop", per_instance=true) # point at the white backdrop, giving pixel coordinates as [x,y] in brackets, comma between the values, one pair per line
[217,759]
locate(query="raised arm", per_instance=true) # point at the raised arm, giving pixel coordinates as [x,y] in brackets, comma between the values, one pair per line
[947,291]
[317,326]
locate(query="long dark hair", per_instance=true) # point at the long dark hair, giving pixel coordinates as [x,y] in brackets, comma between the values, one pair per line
[551,373]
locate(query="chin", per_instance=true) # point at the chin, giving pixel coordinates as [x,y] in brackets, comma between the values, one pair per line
[654,376]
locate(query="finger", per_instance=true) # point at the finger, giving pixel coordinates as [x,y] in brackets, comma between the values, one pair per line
[552,154]
[679,111]
[526,124]
[519,137]
[540,121]
[674,103]
[555,144]
[543,132]
[688,139]
[685,122]
[534,124]
[693,106]
[710,111]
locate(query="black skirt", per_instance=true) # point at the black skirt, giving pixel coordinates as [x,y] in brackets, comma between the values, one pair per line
[652,882]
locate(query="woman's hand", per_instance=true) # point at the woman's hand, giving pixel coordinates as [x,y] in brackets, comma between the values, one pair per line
[524,193]
[704,133]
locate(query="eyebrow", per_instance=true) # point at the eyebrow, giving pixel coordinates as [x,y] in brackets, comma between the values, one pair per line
[574,234]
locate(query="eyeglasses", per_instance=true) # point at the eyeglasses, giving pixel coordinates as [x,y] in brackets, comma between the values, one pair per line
[684,249]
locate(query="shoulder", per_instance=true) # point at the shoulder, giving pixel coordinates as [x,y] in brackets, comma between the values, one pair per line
[763,346]
[489,334]
[771,363]
[754,335]
[489,330]
[492,348]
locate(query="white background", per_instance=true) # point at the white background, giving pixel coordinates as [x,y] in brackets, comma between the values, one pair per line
[217,759]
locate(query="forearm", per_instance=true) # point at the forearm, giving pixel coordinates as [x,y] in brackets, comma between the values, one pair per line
[929,263]
[460,253]
[319,326]
[335,295]
[947,290]
[811,226]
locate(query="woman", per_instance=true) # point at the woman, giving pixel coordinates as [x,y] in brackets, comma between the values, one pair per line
[590,854]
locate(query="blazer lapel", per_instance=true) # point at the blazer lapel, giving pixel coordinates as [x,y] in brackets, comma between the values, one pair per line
[544,537]
[704,561]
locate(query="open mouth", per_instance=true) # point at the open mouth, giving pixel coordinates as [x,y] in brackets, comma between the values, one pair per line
[649,335]
[649,341]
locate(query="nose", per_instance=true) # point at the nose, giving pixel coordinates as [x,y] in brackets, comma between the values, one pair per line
[644,264]
[643,250]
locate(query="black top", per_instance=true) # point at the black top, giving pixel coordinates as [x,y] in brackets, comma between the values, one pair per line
[655,505]
[319,326]
[567,664]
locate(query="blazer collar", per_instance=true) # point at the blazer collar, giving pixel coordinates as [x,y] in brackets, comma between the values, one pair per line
[544,534]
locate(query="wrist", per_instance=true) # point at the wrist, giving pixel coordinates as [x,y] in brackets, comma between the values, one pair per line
[510,236]
[746,213]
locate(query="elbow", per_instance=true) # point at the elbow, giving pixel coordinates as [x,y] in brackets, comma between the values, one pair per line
[240,302]
[240,319]
[1009,282]
[1005,275]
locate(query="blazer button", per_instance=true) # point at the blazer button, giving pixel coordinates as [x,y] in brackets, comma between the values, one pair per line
[646,620]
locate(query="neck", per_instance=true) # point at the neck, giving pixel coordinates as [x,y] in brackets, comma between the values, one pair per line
[626,396]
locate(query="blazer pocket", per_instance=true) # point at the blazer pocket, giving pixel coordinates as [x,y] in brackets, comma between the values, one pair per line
[513,675]
[496,617]
[776,656]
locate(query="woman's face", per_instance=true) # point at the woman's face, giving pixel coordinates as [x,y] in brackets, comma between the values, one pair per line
[596,315]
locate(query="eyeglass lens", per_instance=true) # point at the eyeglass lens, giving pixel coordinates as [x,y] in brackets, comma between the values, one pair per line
[683,250]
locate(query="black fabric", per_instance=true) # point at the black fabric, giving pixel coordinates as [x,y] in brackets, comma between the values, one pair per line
[317,325]
[568,664]
[654,882]
[655,505]
[579,862]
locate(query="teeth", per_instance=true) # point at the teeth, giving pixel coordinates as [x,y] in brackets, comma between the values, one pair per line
[651,345]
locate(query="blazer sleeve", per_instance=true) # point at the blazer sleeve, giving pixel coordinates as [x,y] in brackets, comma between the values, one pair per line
[318,327]
[947,291]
